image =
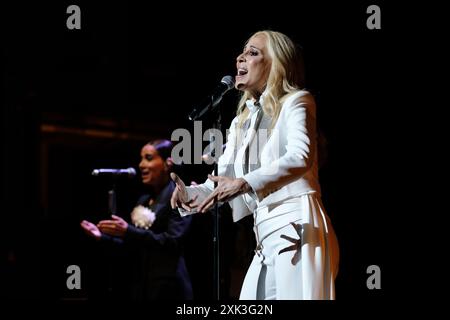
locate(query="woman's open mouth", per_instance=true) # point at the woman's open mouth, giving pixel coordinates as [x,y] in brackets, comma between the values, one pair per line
[241,72]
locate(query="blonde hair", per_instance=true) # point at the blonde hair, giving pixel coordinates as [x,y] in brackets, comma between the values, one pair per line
[285,76]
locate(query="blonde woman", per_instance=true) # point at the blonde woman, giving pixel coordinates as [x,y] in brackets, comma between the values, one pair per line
[269,169]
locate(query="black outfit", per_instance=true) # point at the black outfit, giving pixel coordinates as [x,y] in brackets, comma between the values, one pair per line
[158,270]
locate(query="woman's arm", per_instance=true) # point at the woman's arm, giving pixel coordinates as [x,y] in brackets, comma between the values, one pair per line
[124,232]
[176,228]
[199,193]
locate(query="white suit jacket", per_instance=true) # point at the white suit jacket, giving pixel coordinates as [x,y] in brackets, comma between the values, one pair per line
[287,161]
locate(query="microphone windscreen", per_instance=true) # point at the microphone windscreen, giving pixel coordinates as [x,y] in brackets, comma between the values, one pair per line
[131,171]
[228,81]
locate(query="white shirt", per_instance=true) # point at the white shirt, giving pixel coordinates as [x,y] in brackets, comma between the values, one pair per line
[287,165]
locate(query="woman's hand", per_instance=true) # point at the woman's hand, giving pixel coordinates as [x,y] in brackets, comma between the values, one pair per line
[91,229]
[227,189]
[115,227]
[180,197]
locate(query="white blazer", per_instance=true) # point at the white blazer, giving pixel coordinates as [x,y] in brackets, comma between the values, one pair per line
[288,160]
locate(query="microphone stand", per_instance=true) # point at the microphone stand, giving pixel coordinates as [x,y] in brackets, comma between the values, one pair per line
[217,124]
[112,199]
[112,209]
[216,249]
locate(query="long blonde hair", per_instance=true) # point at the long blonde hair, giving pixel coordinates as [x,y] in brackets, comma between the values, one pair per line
[285,76]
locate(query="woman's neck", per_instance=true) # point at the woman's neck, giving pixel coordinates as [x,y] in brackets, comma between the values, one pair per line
[255,95]
[158,187]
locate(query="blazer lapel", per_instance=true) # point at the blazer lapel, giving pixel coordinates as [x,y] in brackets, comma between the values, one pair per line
[250,162]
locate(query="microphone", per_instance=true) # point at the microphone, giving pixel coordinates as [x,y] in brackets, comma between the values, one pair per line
[129,172]
[213,100]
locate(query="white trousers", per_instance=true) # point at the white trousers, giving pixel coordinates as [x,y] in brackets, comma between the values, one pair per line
[297,253]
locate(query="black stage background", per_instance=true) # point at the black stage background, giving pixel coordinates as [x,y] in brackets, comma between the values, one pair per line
[82,99]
